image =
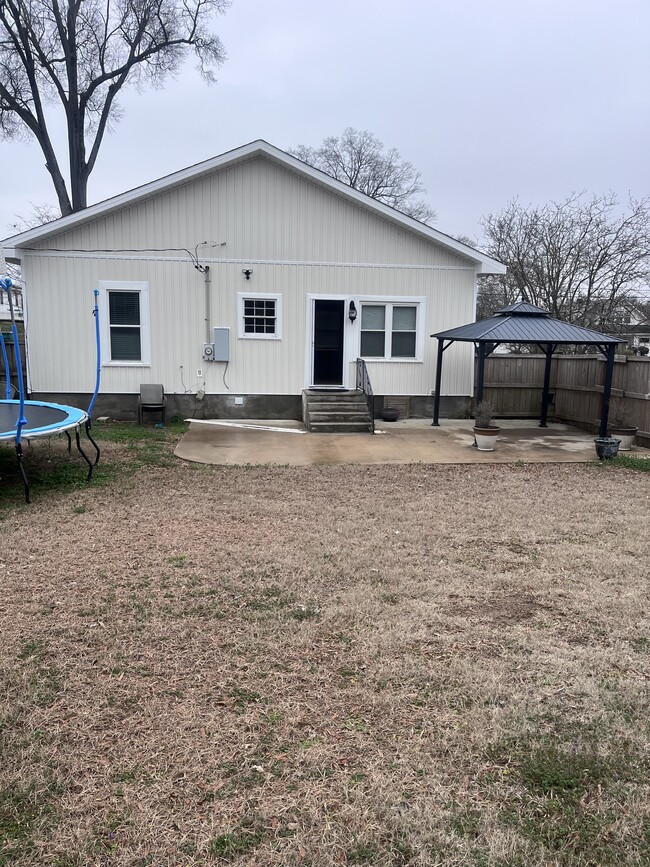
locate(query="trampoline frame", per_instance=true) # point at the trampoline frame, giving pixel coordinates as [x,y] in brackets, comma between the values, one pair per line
[74,417]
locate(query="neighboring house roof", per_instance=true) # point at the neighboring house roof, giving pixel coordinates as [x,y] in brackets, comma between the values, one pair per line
[483,263]
[524,323]
[640,328]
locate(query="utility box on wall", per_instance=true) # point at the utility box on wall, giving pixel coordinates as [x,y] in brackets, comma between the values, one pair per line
[221,344]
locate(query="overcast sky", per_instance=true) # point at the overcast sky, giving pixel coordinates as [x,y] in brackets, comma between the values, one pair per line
[489,99]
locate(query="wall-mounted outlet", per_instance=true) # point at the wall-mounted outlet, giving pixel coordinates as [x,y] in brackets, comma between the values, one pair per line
[239,401]
[199,374]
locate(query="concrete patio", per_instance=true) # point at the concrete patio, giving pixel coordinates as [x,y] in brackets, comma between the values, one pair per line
[402,442]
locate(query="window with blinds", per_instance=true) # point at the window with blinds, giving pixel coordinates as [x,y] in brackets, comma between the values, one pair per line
[124,326]
[389,330]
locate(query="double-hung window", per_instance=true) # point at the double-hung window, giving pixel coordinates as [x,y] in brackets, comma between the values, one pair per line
[389,330]
[259,315]
[125,311]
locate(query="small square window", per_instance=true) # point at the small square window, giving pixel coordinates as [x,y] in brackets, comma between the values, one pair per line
[259,316]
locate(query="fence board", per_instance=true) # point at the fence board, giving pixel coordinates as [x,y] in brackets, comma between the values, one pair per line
[513,384]
[13,370]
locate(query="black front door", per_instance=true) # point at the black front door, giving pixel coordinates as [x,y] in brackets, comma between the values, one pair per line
[328,342]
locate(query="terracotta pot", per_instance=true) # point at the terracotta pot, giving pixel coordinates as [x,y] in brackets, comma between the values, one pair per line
[486,438]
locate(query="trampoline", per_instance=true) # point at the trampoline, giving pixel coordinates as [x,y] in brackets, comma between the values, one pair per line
[29,419]
[41,419]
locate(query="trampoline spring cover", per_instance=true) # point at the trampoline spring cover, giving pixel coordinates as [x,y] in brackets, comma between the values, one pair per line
[43,419]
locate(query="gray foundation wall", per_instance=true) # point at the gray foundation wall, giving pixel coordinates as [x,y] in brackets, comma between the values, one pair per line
[124,407]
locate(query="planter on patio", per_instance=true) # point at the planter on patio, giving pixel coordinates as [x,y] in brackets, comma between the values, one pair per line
[626,435]
[606,447]
[390,413]
[485,433]
[486,438]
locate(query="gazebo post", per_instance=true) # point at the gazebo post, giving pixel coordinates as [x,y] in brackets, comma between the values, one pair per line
[550,347]
[436,398]
[607,389]
[481,372]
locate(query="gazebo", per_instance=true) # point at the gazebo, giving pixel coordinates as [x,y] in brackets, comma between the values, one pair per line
[525,323]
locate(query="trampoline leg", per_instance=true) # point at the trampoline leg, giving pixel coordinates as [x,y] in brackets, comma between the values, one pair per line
[21,470]
[84,455]
[95,446]
[69,441]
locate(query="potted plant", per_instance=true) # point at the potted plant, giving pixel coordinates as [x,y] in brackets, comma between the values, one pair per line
[621,427]
[485,433]
[390,413]
[606,447]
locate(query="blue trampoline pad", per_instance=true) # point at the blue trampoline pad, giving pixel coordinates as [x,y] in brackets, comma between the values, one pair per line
[43,419]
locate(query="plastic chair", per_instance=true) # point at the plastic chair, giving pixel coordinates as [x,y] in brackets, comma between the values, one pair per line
[152,399]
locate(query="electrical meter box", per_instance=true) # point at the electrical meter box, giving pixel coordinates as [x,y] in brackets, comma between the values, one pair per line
[221,344]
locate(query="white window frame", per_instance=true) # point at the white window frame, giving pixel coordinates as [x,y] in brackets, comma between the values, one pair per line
[142,287]
[266,296]
[389,302]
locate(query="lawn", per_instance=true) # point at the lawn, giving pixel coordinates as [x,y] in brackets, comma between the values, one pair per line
[412,665]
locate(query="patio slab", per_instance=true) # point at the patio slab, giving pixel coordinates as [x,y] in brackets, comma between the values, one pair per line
[403,442]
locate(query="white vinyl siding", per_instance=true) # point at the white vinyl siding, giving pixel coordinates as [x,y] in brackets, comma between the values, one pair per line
[300,242]
[124,317]
[259,316]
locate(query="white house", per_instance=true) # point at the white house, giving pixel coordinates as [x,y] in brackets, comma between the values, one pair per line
[264,259]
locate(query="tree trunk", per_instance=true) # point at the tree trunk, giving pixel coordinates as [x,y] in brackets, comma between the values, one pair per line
[77,153]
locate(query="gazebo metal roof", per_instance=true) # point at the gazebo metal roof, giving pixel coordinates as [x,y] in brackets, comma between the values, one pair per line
[524,323]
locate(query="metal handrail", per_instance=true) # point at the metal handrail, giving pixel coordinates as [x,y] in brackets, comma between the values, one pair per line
[363,384]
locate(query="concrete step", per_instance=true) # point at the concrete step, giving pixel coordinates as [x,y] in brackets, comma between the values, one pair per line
[336,412]
[332,395]
[340,427]
[343,406]
[336,416]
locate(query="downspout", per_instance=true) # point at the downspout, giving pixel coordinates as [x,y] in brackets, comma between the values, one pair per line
[208,304]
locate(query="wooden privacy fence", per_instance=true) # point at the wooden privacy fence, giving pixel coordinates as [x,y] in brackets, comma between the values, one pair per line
[513,385]
[13,375]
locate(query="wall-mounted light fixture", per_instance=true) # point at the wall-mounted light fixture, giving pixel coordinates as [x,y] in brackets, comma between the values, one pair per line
[247,273]
[352,312]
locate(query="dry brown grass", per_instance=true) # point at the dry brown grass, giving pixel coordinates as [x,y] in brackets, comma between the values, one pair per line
[411,665]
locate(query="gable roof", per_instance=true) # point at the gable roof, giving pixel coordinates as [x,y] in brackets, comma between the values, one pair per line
[483,263]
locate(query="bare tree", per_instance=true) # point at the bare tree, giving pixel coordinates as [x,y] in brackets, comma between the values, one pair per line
[79,55]
[40,214]
[579,259]
[358,158]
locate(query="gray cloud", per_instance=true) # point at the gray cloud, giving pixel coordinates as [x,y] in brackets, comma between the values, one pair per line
[490,100]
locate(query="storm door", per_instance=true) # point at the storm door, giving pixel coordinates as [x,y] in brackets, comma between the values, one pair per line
[329,318]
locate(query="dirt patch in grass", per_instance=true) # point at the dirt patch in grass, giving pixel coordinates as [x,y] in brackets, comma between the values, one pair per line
[411,665]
